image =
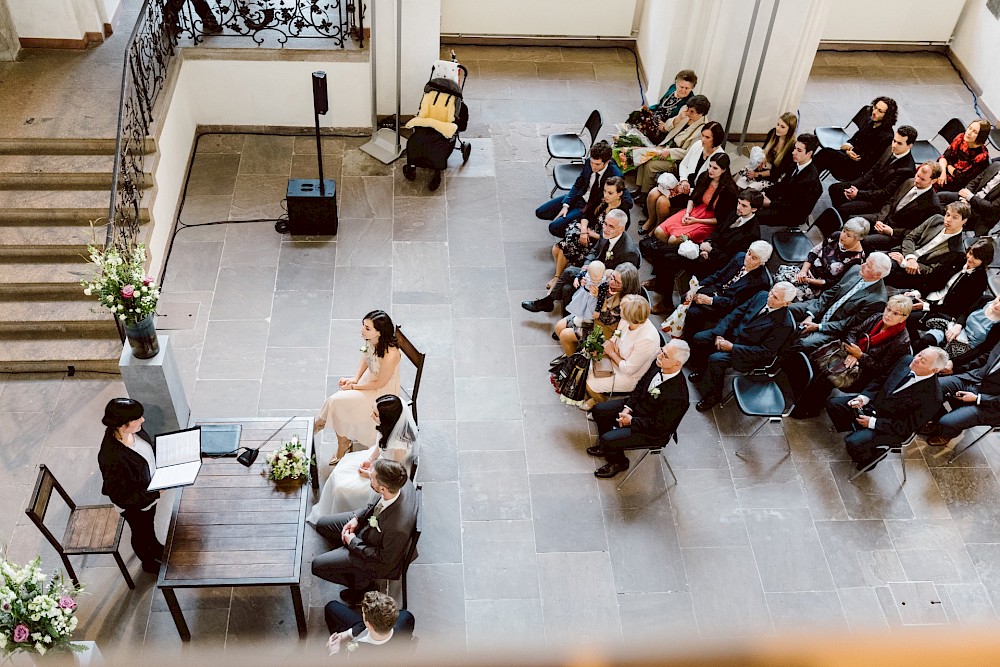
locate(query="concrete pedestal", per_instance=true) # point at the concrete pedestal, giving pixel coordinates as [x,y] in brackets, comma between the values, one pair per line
[156,383]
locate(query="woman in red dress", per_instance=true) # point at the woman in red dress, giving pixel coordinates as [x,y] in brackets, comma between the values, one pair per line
[713,199]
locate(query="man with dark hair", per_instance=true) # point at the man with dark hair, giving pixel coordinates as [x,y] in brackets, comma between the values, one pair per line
[789,202]
[913,202]
[983,195]
[568,208]
[865,146]
[869,192]
[379,622]
[936,246]
[373,539]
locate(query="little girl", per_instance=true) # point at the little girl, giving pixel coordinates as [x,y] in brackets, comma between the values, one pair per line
[584,301]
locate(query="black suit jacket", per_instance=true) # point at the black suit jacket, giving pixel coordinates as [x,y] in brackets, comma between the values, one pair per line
[756,340]
[870,142]
[911,215]
[126,473]
[963,295]
[727,241]
[575,196]
[624,251]
[794,195]
[727,298]
[988,386]
[880,182]
[655,418]
[380,551]
[985,210]
[899,413]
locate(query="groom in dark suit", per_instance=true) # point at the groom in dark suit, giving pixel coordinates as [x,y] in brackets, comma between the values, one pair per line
[649,416]
[373,540]
[880,418]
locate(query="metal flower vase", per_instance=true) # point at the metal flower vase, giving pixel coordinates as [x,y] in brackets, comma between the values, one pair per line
[142,338]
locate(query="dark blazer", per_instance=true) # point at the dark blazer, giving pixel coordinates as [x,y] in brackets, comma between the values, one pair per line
[911,215]
[858,308]
[756,340]
[379,552]
[988,387]
[575,196]
[655,419]
[898,414]
[877,360]
[625,251]
[880,182]
[985,210]
[727,241]
[870,142]
[726,298]
[792,197]
[963,295]
[126,473]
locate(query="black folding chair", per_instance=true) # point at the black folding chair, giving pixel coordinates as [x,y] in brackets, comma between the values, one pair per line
[570,145]
[793,245]
[773,397]
[959,452]
[923,150]
[900,449]
[565,175]
[834,137]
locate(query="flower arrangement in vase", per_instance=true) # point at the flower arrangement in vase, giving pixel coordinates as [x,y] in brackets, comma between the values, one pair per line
[288,461]
[37,612]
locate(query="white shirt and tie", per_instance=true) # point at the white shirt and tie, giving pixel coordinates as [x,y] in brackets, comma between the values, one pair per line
[832,310]
[910,196]
[910,380]
[594,176]
[938,296]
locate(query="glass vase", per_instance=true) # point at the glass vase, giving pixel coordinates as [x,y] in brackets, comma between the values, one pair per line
[142,338]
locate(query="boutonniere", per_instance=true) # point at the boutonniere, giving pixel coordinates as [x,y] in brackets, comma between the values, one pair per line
[351,645]
[373,523]
[608,255]
[655,392]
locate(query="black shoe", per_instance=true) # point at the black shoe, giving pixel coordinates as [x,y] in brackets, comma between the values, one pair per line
[596,450]
[555,336]
[543,305]
[610,470]
[694,377]
[435,181]
[865,466]
[211,29]
[409,172]
[706,404]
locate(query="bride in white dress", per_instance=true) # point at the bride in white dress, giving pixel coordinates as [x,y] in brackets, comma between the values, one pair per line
[348,487]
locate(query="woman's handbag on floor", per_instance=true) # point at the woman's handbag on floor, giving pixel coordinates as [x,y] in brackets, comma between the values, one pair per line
[830,361]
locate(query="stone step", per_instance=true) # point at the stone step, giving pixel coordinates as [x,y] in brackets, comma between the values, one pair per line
[43,317]
[36,280]
[69,146]
[63,181]
[53,353]
[46,199]
[34,164]
[42,216]
[18,241]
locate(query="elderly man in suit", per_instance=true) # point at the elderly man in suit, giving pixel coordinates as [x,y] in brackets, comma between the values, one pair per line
[973,399]
[614,249]
[883,416]
[983,195]
[858,294]
[936,246]
[869,192]
[372,540]
[588,186]
[717,295]
[746,338]
[789,202]
[649,416]
[380,623]
[912,203]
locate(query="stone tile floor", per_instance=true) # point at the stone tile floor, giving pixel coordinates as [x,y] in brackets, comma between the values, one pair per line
[521,540]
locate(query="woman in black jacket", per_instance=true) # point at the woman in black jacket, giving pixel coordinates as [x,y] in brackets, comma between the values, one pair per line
[126,459]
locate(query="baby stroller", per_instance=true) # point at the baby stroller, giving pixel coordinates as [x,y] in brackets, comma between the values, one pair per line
[436,126]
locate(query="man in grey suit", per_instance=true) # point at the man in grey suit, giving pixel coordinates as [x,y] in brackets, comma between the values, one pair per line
[913,202]
[373,540]
[983,195]
[936,245]
[859,294]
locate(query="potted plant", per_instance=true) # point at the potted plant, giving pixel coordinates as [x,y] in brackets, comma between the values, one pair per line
[37,613]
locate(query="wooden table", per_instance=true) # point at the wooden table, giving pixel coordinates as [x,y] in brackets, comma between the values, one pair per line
[234,527]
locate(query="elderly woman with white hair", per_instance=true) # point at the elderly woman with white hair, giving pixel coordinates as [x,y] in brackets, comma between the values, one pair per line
[828,260]
[721,292]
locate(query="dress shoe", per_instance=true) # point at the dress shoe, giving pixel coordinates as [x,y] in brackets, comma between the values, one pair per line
[211,29]
[706,404]
[435,181]
[930,428]
[543,305]
[694,377]
[409,172]
[938,440]
[353,597]
[555,336]
[596,450]
[610,470]
[868,465]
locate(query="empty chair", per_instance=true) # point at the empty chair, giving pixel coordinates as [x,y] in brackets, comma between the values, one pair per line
[416,357]
[565,175]
[792,244]
[923,150]
[773,397]
[834,137]
[571,146]
[91,529]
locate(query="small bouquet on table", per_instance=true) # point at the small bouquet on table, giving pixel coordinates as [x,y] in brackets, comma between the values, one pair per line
[288,462]
[37,612]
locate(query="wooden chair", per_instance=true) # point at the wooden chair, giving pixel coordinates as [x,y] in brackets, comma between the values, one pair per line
[91,529]
[416,357]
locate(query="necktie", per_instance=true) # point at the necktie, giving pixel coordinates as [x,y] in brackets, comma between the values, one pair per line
[832,310]
[592,190]
[379,506]
[907,198]
[909,376]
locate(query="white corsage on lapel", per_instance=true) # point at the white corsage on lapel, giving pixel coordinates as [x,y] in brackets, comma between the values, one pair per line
[373,523]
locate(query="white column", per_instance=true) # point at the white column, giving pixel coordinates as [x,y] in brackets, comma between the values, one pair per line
[421,46]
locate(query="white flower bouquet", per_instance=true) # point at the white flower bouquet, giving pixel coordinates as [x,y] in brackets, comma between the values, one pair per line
[288,461]
[37,613]
[120,283]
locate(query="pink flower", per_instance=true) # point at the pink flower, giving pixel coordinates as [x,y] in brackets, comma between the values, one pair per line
[67,602]
[21,633]
[147,281]
[128,291]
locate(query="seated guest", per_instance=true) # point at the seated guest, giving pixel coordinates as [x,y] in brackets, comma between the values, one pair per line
[695,163]
[630,349]
[936,246]
[583,234]
[953,296]
[371,541]
[983,195]
[379,622]
[874,345]
[567,208]
[714,198]
[790,200]
[682,131]
[891,410]
[668,107]
[623,281]
[747,338]
[858,294]
[728,238]
[777,149]
[828,261]
[869,192]
[649,416]
[965,338]
[865,146]
[718,294]
[614,249]
[974,399]
[913,202]
[965,158]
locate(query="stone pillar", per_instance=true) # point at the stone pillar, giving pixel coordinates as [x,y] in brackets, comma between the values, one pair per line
[156,383]
[421,47]
[9,45]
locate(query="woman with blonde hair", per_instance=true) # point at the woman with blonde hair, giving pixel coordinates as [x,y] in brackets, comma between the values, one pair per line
[777,149]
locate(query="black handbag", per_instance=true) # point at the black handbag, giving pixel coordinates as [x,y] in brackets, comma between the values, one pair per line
[830,361]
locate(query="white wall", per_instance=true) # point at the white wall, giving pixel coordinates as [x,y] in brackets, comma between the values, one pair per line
[561,18]
[887,21]
[976,46]
[55,19]
[421,40]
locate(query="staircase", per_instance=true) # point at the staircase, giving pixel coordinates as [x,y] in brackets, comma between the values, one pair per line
[50,192]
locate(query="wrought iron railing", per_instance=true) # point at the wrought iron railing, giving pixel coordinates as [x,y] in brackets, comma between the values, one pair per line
[274,20]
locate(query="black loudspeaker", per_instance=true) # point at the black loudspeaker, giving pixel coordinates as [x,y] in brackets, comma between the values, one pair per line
[309,211]
[321,102]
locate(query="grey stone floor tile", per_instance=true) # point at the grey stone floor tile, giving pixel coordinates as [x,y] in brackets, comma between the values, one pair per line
[876,494]
[567,513]
[363,242]
[427,326]
[917,603]
[202,209]
[489,622]
[484,348]
[299,319]
[529,265]
[555,439]
[264,154]
[811,611]
[441,539]
[859,552]
[973,497]
[306,265]
[234,350]
[436,597]
[365,197]
[360,290]
[578,597]
[658,617]
[244,293]
[764,476]
[345,346]
[438,451]
[499,560]
[788,551]
[20,443]
[986,558]
[193,266]
[419,218]
[533,329]
[706,509]
[968,604]
[862,609]
[645,555]
[494,485]
[822,495]
[437,386]
[80,408]
[726,592]
[294,378]
[213,174]
[496,398]
[258,197]
[224,398]
[534,379]
[475,243]
[646,488]
[420,272]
